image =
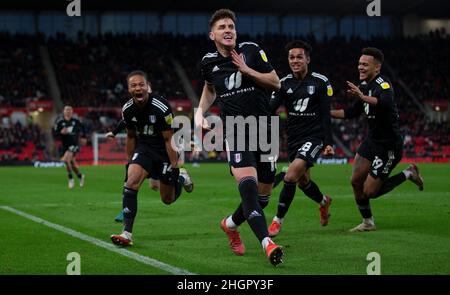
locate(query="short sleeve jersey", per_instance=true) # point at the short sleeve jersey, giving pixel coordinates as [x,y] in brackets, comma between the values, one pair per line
[382,117]
[149,121]
[238,95]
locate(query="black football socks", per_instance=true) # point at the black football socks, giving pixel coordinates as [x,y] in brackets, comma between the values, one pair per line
[129,204]
[238,215]
[312,191]
[364,207]
[391,183]
[248,187]
[286,196]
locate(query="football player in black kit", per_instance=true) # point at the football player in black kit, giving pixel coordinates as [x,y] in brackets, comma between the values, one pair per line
[69,129]
[242,79]
[153,183]
[381,151]
[149,148]
[306,95]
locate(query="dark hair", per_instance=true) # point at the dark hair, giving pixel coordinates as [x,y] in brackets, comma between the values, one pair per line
[138,73]
[221,14]
[374,52]
[299,44]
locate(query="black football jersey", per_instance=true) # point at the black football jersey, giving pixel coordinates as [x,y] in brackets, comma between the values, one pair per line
[307,103]
[383,117]
[75,128]
[149,121]
[238,95]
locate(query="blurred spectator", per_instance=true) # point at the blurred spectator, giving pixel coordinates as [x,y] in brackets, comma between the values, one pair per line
[21,71]
[91,73]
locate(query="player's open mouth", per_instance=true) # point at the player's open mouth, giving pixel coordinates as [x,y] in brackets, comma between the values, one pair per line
[228,37]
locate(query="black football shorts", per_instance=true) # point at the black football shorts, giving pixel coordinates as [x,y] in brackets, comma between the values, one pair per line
[266,170]
[157,166]
[383,158]
[308,149]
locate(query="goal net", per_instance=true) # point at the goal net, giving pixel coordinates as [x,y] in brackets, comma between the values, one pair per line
[109,150]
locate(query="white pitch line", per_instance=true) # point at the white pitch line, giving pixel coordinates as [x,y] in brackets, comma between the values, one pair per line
[132,255]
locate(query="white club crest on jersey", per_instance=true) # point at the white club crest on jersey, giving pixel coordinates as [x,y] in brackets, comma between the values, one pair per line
[289,91]
[215,69]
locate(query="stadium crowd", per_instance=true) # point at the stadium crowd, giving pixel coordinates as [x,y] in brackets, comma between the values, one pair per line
[21,142]
[22,75]
[91,71]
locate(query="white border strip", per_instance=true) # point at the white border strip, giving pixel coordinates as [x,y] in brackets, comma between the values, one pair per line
[132,255]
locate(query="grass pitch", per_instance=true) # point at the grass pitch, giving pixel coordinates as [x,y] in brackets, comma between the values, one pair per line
[413,234]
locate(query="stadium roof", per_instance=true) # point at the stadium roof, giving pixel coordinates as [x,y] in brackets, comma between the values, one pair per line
[426,8]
